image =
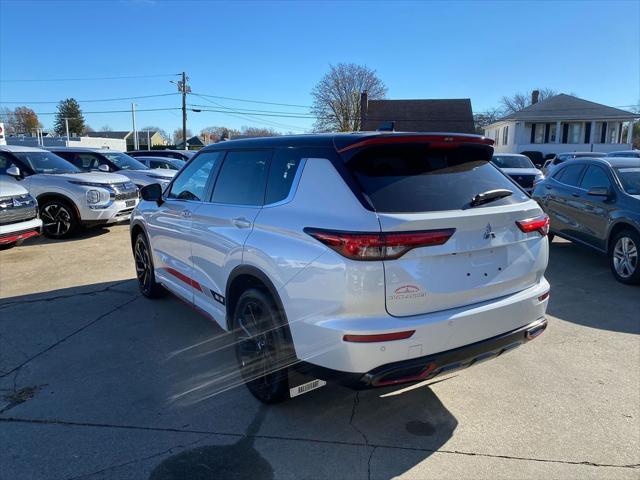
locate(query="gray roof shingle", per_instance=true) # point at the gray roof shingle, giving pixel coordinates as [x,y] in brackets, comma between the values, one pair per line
[445,115]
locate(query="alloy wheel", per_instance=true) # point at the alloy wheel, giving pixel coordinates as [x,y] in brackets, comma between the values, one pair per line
[143,264]
[625,257]
[56,219]
[256,344]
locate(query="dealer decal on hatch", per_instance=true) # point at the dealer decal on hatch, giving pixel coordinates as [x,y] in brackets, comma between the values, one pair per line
[406,292]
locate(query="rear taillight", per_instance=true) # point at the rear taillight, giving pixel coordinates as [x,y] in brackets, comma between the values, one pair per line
[536,224]
[378,246]
[379,337]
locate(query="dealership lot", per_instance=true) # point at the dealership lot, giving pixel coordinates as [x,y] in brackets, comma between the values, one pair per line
[98,382]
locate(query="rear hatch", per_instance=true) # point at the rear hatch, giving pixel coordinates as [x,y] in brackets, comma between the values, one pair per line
[430,186]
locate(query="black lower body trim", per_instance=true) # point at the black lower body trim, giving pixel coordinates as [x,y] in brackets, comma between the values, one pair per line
[430,366]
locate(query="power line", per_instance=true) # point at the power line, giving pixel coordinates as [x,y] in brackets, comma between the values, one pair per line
[105,111]
[79,79]
[96,100]
[253,101]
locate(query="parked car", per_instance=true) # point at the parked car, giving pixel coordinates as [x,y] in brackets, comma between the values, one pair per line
[18,214]
[596,202]
[103,160]
[560,158]
[520,168]
[68,198]
[535,156]
[177,154]
[162,162]
[625,153]
[369,259]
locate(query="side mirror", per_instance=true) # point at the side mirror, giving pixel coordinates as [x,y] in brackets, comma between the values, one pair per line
[14,171]
[599,191]
[152,193]
[104,168]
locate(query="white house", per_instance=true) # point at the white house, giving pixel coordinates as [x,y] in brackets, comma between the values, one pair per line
[563,123]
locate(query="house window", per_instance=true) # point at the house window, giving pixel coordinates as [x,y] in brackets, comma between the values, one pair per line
[574,135]
[539,133]
[505,135]
[551,138]
[612,135]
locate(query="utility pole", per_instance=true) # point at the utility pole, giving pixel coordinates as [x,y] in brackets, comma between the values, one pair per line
[184,88]
[148,140]
[135,132]
[66,124]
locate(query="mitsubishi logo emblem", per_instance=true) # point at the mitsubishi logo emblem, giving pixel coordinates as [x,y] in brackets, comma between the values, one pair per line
[488,232]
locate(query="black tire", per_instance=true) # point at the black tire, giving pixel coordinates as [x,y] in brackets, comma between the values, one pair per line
[624,257]
[263,346]
[145,271]
[7,246]
[59,219]
[551,236]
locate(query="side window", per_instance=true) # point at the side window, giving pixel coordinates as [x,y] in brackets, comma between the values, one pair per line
[570,175]
[5,162]
[595,177]
[242,178]
[156,164]
[191,184]
[284,165]
[86,161]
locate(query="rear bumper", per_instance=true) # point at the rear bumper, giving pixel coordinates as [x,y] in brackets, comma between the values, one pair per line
[429,366]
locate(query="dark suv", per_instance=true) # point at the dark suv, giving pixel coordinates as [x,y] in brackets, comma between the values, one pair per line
[596,202]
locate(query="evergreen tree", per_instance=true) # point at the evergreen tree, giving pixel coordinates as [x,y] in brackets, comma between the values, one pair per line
[70,109]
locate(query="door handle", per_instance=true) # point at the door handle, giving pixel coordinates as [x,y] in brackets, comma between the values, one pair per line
[186,213]
[577,195]
[548,187]
[241,222]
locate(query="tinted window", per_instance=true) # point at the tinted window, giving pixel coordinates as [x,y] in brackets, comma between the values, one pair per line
[242,178]
[570,175]
[5,162]
[630,179]
[512,161]
[595,177]
[87,161]
[284,165]
[124,161]
[191,183]
[417,179]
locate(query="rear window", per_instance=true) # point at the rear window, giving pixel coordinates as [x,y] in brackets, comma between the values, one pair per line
[419,179]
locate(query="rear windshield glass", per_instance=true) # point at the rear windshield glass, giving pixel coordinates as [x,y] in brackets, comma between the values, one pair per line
[124,161]
[512,161]
[419,179]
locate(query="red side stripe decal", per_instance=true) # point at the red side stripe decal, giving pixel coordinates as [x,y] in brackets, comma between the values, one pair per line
[184,278]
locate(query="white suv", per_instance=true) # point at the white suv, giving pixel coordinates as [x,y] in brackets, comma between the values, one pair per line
[104,160]
[369,259]
[18,215]
[67,197]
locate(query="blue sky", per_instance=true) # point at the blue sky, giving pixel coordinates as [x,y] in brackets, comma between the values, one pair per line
[277,51]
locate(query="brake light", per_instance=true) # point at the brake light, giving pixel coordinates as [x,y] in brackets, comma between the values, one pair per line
[378,246]
[536,224]
[380,337]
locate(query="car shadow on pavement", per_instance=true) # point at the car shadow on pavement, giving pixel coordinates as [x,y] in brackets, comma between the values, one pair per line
[320,438]
[82,234]
[584,291]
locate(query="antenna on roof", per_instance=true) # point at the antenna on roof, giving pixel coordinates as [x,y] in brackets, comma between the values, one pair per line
[387,127]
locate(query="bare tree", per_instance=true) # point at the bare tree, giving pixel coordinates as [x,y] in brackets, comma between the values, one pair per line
[259,132]
[336,98]
[519,101]
[482,119]
[9,120]
[215,134]
[106,128]
[178,136]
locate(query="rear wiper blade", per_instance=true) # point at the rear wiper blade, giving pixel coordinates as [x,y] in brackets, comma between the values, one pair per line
[490,196]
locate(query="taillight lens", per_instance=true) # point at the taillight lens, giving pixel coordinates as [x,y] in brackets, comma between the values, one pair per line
[378,246]
[536,224]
